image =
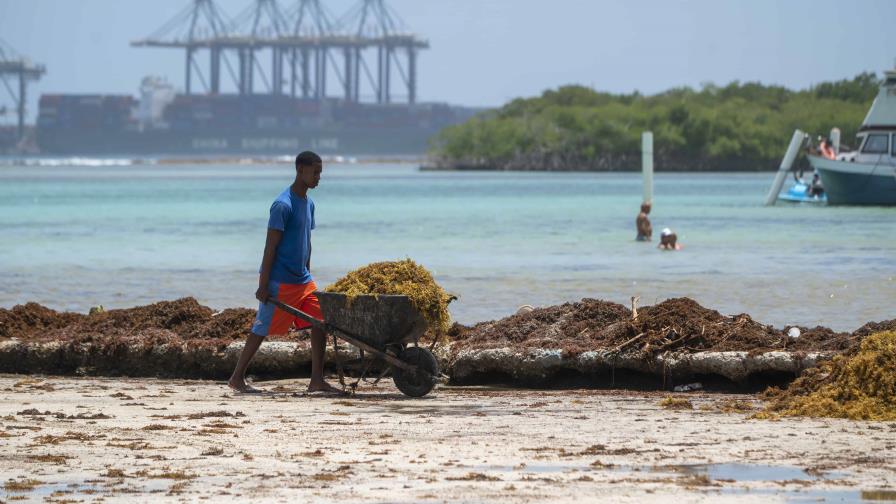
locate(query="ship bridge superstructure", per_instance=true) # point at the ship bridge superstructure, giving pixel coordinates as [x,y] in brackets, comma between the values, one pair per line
[299,49]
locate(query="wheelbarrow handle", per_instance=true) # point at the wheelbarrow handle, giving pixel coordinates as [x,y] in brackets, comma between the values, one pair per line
[345,335]
[316,322]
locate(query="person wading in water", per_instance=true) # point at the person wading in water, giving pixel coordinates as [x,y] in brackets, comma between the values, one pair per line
[642,223]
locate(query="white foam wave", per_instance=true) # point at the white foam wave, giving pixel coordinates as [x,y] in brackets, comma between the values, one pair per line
[75,161]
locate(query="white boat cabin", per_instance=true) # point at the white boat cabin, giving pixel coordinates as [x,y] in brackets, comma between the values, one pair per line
[876,140]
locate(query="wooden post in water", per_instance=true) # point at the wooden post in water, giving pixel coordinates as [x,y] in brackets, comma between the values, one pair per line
[795,143]
[647,164]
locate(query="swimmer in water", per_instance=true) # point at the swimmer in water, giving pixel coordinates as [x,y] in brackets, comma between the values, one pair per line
[668,240]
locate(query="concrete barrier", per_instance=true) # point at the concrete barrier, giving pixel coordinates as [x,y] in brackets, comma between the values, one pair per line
[534,367]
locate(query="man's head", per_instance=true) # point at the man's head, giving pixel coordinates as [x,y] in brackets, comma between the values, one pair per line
[308,168]
[645,207]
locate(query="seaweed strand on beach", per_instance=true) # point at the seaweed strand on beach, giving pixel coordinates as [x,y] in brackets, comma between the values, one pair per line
[181,319]
[678,324]
[859,385]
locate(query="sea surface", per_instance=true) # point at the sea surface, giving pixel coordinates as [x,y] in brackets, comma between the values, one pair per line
[75,234]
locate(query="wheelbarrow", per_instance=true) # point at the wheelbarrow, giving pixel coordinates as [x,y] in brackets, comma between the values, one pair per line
[385,326]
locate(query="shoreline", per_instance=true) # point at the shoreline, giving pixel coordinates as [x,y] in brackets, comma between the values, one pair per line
[422,161]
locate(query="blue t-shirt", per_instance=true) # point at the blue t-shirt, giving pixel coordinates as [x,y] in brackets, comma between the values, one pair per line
[294,215]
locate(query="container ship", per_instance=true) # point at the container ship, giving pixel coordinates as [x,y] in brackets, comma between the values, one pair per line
[161,122]
[298,55]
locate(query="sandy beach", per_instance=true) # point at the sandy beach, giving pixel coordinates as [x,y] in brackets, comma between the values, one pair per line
[70,439]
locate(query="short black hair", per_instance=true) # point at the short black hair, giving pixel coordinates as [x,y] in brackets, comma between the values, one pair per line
[307,158]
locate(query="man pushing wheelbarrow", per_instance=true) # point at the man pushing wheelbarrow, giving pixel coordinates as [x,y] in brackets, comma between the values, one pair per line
[286,276]
[387,327]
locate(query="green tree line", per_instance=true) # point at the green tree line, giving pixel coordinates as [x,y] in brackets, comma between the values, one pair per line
[740,126]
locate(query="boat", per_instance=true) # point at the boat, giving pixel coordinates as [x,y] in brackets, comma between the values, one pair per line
[867,175]
[799,193]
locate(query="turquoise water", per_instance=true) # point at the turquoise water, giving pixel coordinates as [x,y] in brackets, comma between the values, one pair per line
[76,236]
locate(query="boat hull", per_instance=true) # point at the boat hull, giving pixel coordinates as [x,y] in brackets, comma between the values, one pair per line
[849,183]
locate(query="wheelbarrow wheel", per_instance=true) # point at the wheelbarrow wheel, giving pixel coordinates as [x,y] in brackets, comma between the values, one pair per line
[416,384]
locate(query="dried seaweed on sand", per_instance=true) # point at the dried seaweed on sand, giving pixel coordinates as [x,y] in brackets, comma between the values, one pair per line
[678,324]
[158,323]
[859,385]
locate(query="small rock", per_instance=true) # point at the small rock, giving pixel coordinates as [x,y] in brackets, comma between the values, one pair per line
[689,387]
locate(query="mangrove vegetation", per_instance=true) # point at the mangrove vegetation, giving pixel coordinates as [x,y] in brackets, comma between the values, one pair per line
[740,126]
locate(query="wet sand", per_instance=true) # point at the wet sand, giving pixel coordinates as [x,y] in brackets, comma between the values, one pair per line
[90,439]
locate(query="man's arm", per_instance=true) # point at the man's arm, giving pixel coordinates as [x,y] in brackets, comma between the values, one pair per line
[267,262]
[308,264]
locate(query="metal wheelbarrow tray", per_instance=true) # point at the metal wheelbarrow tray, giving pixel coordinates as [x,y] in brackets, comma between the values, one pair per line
[384,326]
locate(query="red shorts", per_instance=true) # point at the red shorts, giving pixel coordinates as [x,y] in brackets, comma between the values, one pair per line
[273,320]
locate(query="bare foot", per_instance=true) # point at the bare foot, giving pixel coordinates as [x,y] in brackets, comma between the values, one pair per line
[324,387]
[242,387]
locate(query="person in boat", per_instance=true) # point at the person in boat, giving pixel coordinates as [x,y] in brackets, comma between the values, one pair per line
[826,149]
[668,240]
[816,189]
[642,223]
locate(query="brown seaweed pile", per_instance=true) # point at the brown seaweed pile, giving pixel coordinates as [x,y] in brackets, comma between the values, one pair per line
[875,327]
[576,327]
[859,385]
[31,318]
[679,324]
[401,278]
[164,322]
[683,324]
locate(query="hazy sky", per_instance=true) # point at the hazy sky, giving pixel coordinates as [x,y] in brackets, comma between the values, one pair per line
[485,52]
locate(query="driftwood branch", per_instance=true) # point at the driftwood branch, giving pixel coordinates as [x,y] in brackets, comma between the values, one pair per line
[627,343]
